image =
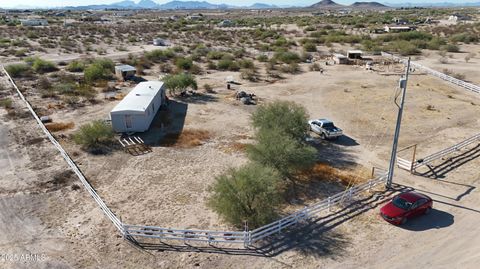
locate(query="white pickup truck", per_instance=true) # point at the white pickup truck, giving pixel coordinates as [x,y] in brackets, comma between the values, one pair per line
[325,129]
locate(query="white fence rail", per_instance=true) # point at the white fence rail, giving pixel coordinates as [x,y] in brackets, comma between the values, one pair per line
[231,237]
[469,86]
[404,164]
[326,204]
[440,154]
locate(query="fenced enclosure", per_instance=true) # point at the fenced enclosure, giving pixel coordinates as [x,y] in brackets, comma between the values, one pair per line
[469,86]
[246,237]
[435,156]
[414,163]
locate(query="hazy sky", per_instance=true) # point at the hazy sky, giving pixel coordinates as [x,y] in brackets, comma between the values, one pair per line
[58,3]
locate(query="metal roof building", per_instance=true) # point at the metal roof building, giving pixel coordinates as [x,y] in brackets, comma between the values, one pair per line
[136,111]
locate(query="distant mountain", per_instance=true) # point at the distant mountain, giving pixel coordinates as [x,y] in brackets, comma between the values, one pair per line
[147,4]
[262,6]
[326,4]
[126,3]
[191,5]
[368,5]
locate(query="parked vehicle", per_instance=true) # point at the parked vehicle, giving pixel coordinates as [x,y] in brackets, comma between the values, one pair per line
[325,129]
[405,206]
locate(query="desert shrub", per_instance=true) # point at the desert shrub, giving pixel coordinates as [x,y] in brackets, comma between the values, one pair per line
[262,58]
[459,76]
[94,136]
[18,70]
[292,68]
[184,63]
[215,55]
[99,69]
[179,83]
[41,66]
[250,193]
[310,47]
[106,64]
[451,48]
[6,103]
[159,55]
[76,66]
[248,64]
[227,64]
[249,74]
[469,56]
[287,57]
[208,87]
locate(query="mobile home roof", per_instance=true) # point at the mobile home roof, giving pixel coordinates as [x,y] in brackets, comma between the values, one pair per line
[138,99]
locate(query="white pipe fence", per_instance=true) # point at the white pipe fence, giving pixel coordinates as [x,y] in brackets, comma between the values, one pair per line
[442,153]
[246,238]
[469,86]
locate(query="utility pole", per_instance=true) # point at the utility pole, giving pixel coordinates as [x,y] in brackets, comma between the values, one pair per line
[403,86]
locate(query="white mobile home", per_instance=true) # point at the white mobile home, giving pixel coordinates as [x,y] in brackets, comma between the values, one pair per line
[136,111]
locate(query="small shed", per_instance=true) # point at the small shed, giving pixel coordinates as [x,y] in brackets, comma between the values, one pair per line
[136,111]
[340,59]
[354,54]
[124,72]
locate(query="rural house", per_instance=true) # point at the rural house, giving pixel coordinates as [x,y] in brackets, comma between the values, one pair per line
[136,111]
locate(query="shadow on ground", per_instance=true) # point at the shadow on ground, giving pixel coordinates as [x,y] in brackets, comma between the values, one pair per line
[436,219]
[345,140]
[450,164]
[314,237]
[167,123]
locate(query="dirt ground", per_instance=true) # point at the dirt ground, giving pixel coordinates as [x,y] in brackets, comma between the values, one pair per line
[169,186]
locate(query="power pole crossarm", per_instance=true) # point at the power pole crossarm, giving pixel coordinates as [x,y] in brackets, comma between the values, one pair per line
[403,86]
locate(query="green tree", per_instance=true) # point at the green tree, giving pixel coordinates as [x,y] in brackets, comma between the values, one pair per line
[250,193]
[286,154]
[284,116]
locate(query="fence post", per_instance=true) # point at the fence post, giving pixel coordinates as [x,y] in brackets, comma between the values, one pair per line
[245,235]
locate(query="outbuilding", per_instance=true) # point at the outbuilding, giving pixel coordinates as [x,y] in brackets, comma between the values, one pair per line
[136,111]
[340,59]
[124,72]
[354,54]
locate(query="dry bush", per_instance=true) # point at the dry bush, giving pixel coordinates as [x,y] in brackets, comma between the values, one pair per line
[323,171]
[187,139]
[59,126]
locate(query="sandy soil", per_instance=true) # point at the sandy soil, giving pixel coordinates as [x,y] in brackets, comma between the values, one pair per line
[168,186]
[455,62]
